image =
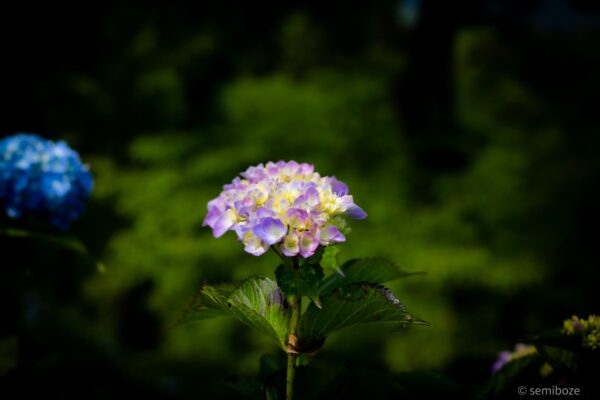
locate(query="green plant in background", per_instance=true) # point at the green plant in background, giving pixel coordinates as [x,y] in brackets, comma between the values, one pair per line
[324,118]
[290,209]
[44,188]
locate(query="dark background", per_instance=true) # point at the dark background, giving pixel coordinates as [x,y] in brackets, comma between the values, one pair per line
[467,130]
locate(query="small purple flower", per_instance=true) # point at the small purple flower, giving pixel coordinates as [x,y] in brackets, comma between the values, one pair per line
[297,218]
[212,216]
[270,230]
[521,350]
[255,246]
[312,197]
[338,187]
[291,244]
[331,234]
[355,212]
[503,358]
[225,221]
[308,244]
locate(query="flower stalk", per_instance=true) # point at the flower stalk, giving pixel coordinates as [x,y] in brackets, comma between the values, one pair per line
[296,305]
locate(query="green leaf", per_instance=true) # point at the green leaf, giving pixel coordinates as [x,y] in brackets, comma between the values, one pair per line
[261,305]
[304,281]
[355,304]
[371,270]
[258,302]
[555,338]
[329,260]
[208,302]
[65,241]
[561,359]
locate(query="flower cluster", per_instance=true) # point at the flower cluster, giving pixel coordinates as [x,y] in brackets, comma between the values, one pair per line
[588,329]
[285,204]
[521,350]
[42,178]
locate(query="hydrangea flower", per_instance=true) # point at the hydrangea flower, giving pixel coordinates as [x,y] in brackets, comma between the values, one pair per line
[285,205]
[588,329]
[42,178]
[504,357]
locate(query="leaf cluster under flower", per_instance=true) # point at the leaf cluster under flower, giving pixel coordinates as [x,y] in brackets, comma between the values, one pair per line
[339,301]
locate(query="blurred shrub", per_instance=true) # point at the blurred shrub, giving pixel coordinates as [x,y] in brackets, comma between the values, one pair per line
[343,124]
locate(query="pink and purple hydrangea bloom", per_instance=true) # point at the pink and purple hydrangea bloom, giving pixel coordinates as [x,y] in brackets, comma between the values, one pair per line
[286,205]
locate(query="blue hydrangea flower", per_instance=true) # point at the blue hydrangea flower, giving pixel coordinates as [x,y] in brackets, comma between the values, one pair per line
[42,178]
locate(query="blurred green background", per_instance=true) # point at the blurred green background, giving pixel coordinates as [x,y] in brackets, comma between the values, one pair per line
[467,130]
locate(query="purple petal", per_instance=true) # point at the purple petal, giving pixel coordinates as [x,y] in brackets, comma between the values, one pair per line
[254,174]
[252,243]
[236,183]
[290,246]
[270,230]
[355,212]
[503,358]
[225,221]
[244,207]
[247,201]
[312,197]
[297,217]
[241,229]
[300,201]
[256,248]
[212,216]
[318,217]
[308,244]
[331,234]
[338,187]
[264,212]
[306,169]
[272,169]
[291,168]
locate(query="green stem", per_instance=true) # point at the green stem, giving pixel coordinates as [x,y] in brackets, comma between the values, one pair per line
[286,260]
[67,242]
[291,372]
[296,303]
